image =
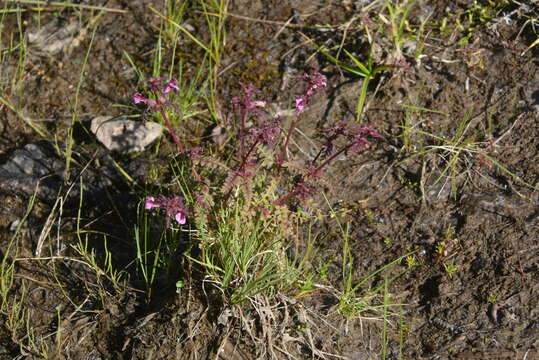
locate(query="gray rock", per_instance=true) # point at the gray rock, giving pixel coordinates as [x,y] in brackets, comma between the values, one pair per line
[33,160]
[532,94]
[56,36]
[29,167]
[124,135]
[38,169]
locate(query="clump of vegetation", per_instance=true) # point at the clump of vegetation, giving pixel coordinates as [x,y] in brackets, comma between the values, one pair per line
[230,216]
[243,212]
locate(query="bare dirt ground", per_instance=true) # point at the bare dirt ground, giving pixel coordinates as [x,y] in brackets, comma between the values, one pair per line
[470,290]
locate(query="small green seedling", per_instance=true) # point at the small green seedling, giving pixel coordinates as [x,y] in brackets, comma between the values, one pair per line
[492,298]
[411,261]
[441,249]
[368,71]
[450,268]
[179,286]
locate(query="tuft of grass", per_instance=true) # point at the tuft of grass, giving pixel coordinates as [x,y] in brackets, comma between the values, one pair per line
[68,153]
[14,313]
[409,136]
[169,41]
[246,252]
[207,76]
[156,250]
[354,300]
[453,156]
[394,15]
[398,12]
[9,258]
[367,71]
[12,82]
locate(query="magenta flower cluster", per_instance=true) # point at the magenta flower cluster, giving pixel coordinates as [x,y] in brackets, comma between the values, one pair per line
[160,88]
[257,128]
[173,207]
[315,80]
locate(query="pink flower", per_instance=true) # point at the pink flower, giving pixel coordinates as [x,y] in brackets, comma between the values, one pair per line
[180,218]
[173,207]
[314,81]
[160,88]
[171,85]
[300,104]
[151,203]
[138,98]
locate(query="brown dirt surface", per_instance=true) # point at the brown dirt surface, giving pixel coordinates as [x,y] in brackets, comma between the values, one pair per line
[480,217]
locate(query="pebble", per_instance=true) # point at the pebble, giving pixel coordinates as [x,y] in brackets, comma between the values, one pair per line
[125,135]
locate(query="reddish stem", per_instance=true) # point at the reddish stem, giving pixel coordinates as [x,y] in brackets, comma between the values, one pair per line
[246,157]
[330,159]
[171,132]
[283,199]
[241,167]
[285,145]
[242,131]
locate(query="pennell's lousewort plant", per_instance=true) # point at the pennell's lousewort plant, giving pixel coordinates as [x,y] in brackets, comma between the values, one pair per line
[160,88]
[258,134]
[172,206]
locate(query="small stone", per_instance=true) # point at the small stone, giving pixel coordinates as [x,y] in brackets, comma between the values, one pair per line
[219,135]
[55,37]
[532,94]
[14,225]
[124,135]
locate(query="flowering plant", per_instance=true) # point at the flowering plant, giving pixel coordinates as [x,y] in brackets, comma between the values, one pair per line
[173,207]
[161,89]
[244,207]
[314,80]
[262,147]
